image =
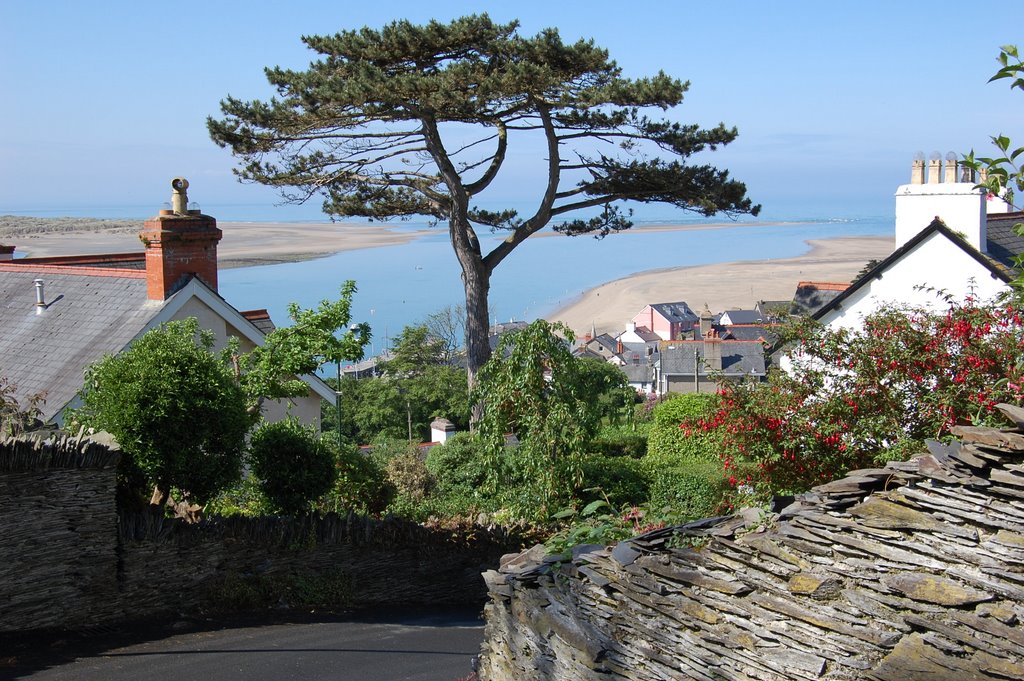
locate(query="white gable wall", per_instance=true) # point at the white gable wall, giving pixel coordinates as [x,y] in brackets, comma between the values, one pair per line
[936,262]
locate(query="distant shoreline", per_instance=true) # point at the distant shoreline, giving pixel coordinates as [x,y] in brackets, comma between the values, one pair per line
[606,308]
[252,244]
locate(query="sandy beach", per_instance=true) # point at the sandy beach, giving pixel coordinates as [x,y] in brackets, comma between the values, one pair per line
[244,243]
[721,286]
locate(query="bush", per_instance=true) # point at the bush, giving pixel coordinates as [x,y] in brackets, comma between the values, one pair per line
[619,441]
[360,483]
[669,444]
[460,470]
[693,490]
[293,466]
[618,480]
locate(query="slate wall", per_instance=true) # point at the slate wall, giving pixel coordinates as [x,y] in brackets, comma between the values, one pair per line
[58,532]
[68,560]
[912,571]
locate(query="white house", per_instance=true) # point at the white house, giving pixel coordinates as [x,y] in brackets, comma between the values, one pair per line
[950,237]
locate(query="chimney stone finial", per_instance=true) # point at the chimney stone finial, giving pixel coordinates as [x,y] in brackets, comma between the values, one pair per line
[950,175]
[917,169]
[179,197]
[934,168]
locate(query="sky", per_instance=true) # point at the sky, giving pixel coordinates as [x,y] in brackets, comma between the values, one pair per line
[103,103]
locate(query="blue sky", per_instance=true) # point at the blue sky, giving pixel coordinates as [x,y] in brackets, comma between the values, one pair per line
[105,102]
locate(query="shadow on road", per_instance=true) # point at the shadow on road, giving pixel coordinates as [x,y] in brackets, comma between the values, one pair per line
[408,643]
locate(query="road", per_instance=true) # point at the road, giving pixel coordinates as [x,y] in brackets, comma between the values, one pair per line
[413,646]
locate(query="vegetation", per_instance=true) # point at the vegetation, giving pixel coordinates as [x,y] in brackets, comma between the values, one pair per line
[293,466]
[176,410]
[858,398]
[16,418]
[417,120]
[416,385]
[315,337]
[1004,173]
[535,389]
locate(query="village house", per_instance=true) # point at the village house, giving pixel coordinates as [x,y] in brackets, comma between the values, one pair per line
[669,321]
[61,314]
[952,238]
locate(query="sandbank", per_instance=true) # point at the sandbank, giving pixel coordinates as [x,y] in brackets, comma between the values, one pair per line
[721,286]
[244,243]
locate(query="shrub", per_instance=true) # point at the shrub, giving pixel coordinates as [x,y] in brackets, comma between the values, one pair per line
[670,445]
[692,490]
[360,483]
[618,480]
[293,466]
[619,441]
[856,398]
[459,467]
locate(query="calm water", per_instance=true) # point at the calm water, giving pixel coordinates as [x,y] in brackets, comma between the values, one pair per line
[400,285]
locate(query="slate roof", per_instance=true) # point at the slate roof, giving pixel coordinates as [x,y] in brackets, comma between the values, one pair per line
[1003,243]
[743,316]
[772,310]
[992,264]
[739,358]
[647,335]
[812,296]
[675,312]
[90,312]
[607,342]
[260,319]
[749,332]
[638,373]
[88,315]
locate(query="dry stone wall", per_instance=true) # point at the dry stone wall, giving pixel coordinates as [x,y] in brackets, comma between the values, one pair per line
[58,531]
[911,571]
[68,560]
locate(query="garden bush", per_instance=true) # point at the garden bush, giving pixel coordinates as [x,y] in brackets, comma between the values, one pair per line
[691,490]
[618,480]
[667,443]
[293,466]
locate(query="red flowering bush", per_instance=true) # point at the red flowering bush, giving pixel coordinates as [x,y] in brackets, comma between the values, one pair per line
[855,399]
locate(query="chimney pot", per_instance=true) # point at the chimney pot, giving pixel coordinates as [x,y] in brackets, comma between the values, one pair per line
[179,243]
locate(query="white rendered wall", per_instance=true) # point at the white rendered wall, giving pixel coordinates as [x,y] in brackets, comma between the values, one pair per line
[958,204]
[936,262]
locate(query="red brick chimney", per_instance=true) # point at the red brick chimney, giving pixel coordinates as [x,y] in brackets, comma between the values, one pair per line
[179,242]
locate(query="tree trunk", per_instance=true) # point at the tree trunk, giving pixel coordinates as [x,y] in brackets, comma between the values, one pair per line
[477,282]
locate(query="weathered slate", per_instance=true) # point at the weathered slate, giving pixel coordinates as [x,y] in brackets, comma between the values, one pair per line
[934,589]
[912,571]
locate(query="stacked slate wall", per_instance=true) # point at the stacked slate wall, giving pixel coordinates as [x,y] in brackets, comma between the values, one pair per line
[912,571]
[58,532]
[68,560]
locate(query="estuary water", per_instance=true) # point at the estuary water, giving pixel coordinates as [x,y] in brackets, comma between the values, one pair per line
[401,285]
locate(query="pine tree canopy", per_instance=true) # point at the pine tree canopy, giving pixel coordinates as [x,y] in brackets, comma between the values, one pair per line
[417,120]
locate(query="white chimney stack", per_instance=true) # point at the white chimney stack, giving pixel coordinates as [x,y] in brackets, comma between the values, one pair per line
[959,205]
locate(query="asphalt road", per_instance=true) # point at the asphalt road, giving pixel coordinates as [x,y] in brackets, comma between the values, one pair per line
[392,646]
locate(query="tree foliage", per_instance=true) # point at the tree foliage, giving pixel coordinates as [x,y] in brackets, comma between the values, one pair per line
[316,336]
[533,387]
[174,407]
[415,385]
[418,120]
[1004,173]
[16,417]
